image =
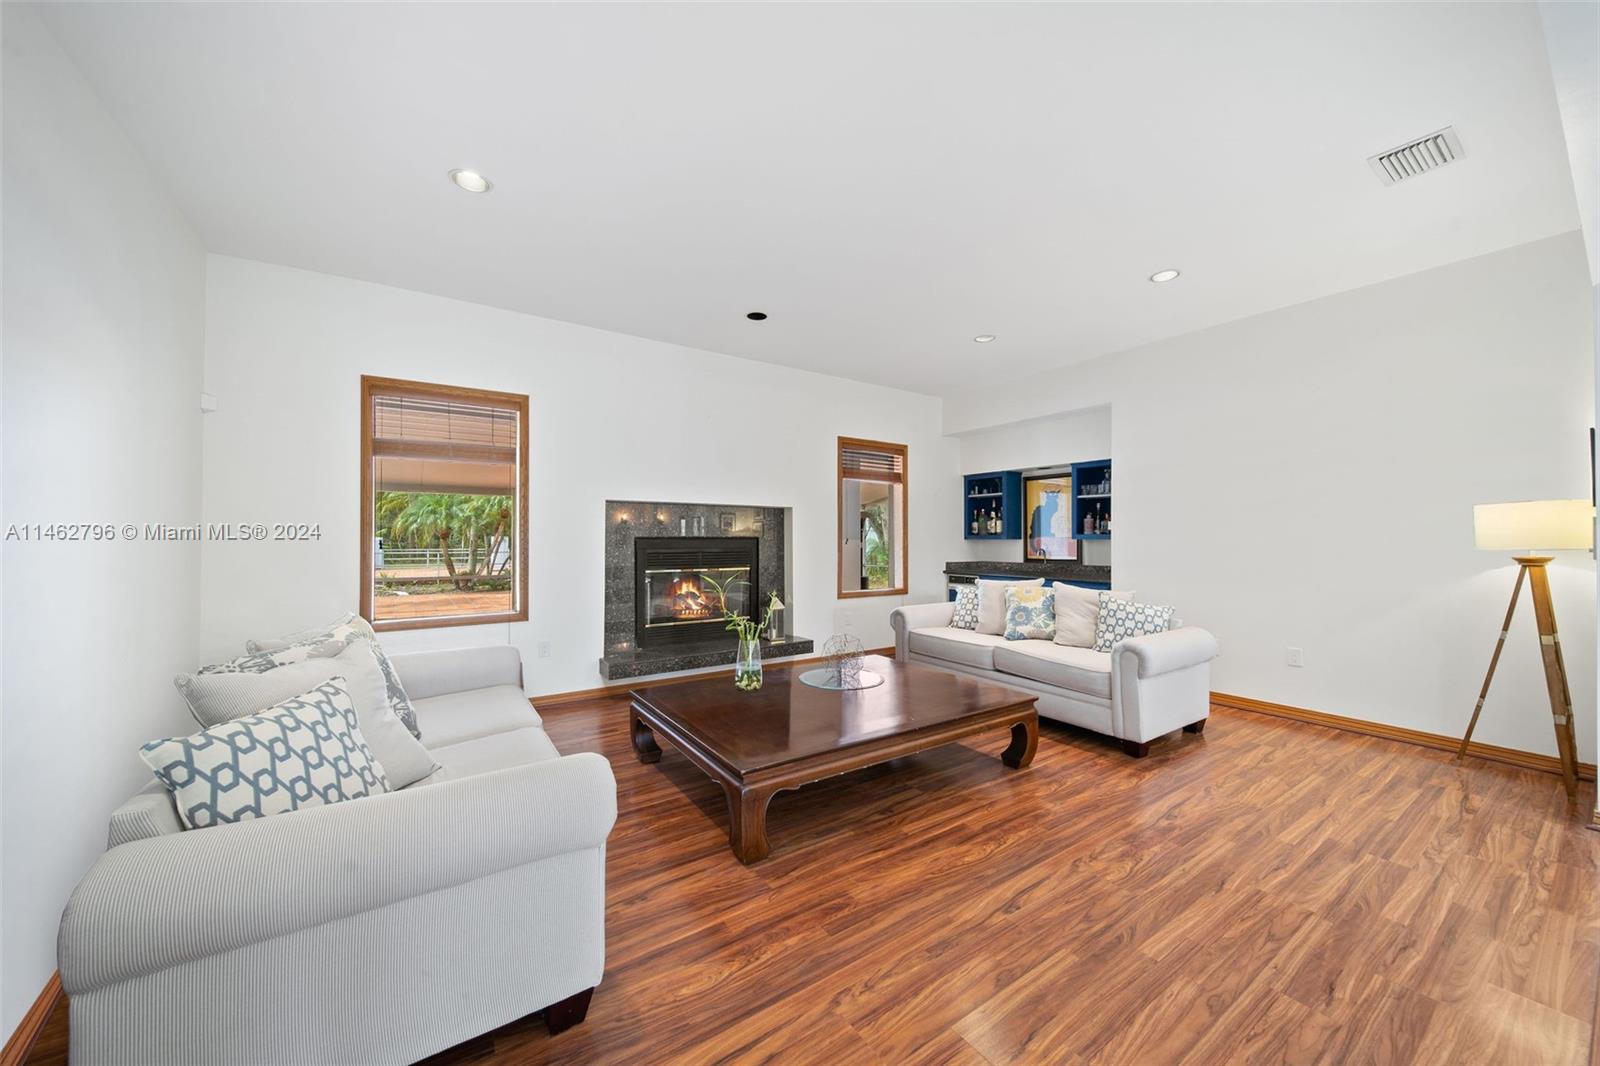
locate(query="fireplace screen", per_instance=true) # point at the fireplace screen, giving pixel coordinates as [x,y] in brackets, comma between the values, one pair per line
[677,579]
[679,596]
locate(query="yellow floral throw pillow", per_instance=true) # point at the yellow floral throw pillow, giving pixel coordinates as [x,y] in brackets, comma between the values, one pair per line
[1030,613]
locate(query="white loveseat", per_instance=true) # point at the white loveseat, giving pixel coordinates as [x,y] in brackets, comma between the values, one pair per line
[378,930]
[1144,688]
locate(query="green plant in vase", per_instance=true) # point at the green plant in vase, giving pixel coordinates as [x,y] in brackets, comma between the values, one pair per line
[747,663]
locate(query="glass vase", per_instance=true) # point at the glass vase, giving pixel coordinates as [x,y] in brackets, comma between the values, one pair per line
[747,667]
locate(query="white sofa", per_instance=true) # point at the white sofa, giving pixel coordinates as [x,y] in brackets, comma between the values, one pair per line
[1144,688]
[378,930]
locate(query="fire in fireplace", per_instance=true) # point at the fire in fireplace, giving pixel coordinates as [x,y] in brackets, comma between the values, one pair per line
[675,592]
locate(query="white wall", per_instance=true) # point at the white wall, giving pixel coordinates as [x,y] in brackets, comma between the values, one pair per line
[104,288]
[1306,477]
[613,417]
[1054,440]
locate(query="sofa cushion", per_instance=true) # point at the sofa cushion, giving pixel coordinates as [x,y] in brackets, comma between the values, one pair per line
[498,751]
[1077,669]
[955,645]
[480,712]
[1118,621]
[350,626]
[992,602]
[221,697]
[261,661]
[303,752]
[1030,614]
[1077,608]
[965,615]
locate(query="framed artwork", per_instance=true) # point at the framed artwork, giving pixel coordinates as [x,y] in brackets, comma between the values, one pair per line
[1047,517]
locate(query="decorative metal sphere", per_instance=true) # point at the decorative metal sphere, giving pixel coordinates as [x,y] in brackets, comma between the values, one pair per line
[843,654]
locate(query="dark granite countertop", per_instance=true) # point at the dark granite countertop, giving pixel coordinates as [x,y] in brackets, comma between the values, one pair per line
[1057,569]
[619,663]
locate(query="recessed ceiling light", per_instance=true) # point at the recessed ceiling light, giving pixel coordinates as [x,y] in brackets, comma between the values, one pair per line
[1164,275]
[984,338]
[757,316]
[471,180]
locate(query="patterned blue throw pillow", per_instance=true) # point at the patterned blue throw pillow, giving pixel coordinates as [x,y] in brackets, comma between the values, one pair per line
[1030,613]
[966,616]
[1120,619]
[304,752]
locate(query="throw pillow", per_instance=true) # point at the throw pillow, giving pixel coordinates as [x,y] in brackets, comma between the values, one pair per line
[1030,614]
[1077,608]
[966,615]
[1120,620]
[992,603]
[222,697]
[303,752]
[260,662]
[350,626]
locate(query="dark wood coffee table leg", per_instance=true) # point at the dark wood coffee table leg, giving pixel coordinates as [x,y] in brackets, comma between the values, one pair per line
[747,821]
[644,742]
[1024,742]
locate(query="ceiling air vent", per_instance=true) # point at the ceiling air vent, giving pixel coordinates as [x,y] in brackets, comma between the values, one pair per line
[1417,157]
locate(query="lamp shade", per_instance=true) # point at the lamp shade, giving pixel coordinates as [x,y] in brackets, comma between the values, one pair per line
[1535,525]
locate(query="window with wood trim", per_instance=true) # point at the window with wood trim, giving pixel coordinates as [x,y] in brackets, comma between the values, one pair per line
[872,518]
[444,505]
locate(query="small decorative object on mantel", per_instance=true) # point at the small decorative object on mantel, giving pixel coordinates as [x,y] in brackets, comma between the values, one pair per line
[747,664]
[842,671]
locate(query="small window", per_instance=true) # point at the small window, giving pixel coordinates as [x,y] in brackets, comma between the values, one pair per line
[872,518]
[444,505]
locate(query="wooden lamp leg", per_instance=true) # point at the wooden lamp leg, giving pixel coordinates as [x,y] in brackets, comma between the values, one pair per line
[1532,567]
[1494,661]
[1555,674]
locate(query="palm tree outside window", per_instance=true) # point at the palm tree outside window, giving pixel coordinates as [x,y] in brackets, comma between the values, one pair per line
[444,495]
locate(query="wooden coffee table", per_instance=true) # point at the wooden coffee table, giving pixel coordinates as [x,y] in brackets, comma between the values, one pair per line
[786,734]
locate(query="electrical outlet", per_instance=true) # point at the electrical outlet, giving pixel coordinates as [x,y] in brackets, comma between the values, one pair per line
[544,649]
[1297,657]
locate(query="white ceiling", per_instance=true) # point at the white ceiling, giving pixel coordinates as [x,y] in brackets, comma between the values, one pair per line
[886,181]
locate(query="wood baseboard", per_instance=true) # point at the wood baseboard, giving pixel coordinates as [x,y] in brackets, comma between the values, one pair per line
[1527,760]
[16,1050]
[556,699]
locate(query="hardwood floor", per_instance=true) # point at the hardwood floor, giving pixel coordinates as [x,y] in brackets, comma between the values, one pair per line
[1268,891]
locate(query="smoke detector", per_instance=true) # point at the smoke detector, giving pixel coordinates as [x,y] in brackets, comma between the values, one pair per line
[1417,157]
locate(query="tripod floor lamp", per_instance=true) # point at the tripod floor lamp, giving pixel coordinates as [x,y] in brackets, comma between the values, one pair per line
[1531,529]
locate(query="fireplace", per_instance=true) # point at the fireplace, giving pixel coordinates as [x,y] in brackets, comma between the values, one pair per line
[675,578]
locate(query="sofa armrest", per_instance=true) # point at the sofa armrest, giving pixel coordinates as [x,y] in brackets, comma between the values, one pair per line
[1162,653]
[439,673]
[1160,682]
[153,904]
[918,616]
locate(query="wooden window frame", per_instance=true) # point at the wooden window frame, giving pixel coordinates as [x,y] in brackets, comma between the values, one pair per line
[904,525]
[371,386]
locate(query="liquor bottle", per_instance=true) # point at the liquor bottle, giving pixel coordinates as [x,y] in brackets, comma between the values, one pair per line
[1088,521]
[993,526]
[974,523]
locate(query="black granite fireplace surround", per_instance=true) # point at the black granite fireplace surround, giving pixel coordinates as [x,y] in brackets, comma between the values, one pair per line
[631,523]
